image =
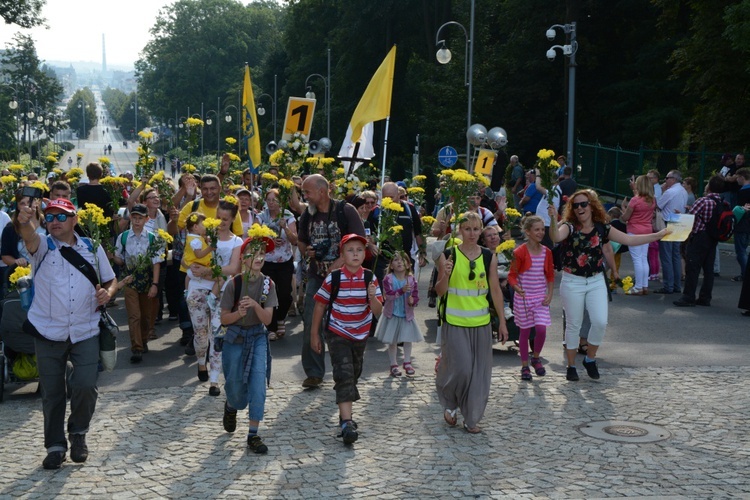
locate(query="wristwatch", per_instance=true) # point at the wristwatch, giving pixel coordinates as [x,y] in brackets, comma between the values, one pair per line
[155,284]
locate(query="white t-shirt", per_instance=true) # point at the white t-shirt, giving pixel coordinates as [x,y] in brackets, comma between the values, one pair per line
[224,249]
[4,220]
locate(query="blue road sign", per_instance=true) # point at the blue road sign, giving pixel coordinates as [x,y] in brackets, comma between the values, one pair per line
[447,156]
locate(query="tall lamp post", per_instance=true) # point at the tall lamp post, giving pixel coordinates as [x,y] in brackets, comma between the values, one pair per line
[209,122]
[311,95]
[568,50]
[262,111]
[82,106]
[13,104]
[443,56]
[171,123]
[228,119]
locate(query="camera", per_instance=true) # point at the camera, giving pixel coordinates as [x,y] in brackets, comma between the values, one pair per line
[31,192]
[321,249]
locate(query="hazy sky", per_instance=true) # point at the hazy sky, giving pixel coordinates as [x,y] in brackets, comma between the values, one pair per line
[76,28]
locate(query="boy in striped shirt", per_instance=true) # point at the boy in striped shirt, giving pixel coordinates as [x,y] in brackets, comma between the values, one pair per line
[348,327]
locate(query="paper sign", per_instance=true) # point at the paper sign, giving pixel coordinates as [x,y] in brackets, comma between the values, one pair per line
[299,117]
[681,225]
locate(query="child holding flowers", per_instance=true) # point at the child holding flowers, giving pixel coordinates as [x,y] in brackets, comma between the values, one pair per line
[247,306]
[532,275]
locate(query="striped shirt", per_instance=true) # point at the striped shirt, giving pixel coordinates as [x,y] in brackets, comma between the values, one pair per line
[351,315]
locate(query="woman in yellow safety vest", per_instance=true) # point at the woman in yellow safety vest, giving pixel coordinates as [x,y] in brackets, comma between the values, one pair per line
[468,273]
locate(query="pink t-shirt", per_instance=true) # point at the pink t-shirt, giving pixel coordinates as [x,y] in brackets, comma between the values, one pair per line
[643,213]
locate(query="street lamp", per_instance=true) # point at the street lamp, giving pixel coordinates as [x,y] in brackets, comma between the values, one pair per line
[327,89]
[82,106]
[209,122]
[443,56]
[262,111]
[228,119]
[13,104]
[568,50]
[171,123]
[200,117]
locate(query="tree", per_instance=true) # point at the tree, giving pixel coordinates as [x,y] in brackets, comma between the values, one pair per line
[198,52]
[37,88]
[81,112]
[24,13]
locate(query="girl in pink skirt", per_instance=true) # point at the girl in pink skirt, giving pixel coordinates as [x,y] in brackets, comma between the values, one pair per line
[532,275]
[397,322]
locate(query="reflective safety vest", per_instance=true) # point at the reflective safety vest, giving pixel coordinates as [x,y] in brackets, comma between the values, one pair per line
[466,300]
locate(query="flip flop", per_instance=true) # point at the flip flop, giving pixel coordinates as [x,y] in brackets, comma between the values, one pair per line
[450,417]
[472,430]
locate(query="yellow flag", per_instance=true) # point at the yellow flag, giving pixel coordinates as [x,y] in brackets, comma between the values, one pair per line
[376,101]
[250,122]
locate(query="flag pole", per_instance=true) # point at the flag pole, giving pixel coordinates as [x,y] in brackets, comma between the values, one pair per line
[385,147]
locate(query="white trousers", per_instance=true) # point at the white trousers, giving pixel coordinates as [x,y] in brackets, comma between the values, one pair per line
[578,294]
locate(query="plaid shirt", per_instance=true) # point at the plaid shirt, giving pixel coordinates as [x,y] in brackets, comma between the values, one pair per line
[703,209]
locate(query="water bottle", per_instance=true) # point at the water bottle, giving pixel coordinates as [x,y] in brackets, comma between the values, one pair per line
[25,292]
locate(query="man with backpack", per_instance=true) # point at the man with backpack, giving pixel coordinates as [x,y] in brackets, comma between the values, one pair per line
[701,245]
[321,227]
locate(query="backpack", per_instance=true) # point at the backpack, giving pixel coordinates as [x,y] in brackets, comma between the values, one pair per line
[451,252]
[720,226]
[124,238]
[562,247]
[338,208]
[335,286]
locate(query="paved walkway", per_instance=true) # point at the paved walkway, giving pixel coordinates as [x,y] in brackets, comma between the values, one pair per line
[170,443]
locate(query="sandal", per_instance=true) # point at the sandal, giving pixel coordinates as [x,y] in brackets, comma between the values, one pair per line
[583,348]
[408,368]
[437,362]
[395,371]
[450,417]
[472,430]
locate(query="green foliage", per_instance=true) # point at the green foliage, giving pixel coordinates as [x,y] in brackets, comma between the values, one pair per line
[24,13]
[82,109]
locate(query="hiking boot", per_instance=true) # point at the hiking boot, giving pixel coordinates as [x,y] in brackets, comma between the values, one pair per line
[79,452]
[536,363]
[255,444]
[349,432]
[230,418]
[53,460]
[591,369]
[525,373]
[572,374]
[312,382]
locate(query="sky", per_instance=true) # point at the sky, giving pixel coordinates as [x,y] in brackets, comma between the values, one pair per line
[76,28]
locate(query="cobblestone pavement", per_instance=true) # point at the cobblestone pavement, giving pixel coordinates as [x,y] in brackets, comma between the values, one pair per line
[169,443]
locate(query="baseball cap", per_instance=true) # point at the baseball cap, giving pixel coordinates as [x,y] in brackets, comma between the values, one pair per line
[139,209]
[352,237]
[270,245]
[243,191]
[61,204]
[51,175]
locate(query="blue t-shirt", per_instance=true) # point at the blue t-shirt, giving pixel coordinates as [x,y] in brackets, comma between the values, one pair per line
[535,197]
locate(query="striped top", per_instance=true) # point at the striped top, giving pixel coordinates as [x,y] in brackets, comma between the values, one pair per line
[533,281]
[351,315]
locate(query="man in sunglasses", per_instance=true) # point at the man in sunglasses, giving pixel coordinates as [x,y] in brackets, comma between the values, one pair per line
[64,321]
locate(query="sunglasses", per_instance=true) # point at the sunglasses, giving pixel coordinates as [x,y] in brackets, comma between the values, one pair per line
[59,217]
[582,204]
[472,266]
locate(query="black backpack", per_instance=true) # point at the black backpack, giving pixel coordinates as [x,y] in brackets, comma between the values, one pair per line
[451,252]
[335,287]
[720,226]
[338,208]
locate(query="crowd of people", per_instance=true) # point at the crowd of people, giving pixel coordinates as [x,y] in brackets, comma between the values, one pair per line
[230,263]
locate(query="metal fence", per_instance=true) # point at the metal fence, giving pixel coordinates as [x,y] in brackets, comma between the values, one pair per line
[608,170]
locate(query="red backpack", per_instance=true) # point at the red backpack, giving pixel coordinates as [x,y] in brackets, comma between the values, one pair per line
[721,225]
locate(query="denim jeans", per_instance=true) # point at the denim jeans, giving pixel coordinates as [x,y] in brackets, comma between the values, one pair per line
[251,394]
[741,240]
[313,363]
[579,294]
[671,265]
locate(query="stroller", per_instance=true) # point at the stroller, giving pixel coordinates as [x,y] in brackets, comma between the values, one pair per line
[14,342]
